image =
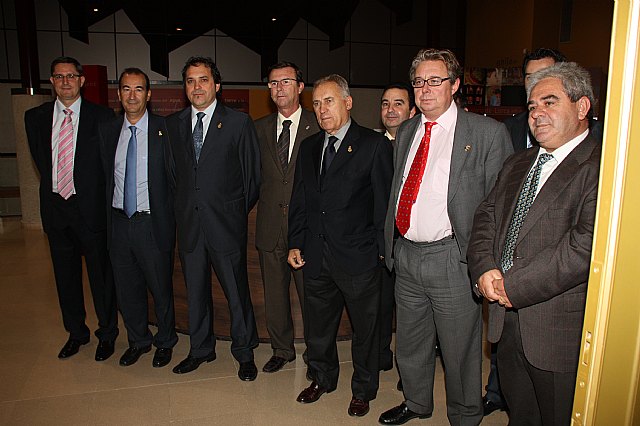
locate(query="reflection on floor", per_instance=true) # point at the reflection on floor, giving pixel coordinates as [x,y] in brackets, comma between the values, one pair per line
[38,388]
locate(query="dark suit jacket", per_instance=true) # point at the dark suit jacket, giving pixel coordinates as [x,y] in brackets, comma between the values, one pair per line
[87,169]
[518,128]
[348,208]
[548,281]
[480,146]
[160,196]
[276,186]
[214,195]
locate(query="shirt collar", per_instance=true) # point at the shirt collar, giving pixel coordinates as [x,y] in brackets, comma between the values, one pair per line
[208,111]
[295,117]
[388,135]
[74,107]
[340,134]
[141,125]
[447,120]
[562,152]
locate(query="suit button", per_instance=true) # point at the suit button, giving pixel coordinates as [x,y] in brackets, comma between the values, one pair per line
[197,188]
[196,208]
[323,212]
[284,182]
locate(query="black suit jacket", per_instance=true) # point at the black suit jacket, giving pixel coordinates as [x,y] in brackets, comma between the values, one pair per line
[160,195]
[348,208]
[88,176]
[518,128]
[214,195]
[548,281]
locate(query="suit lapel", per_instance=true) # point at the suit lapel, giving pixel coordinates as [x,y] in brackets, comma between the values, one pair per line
[316,153]
[348,147]
[186,133]
[462,147]
[272,140]
[403,145]
[46,131]
[111,139]
[304,131]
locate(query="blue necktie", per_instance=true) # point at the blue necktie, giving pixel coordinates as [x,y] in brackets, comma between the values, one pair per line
[198,135]
[525,200]
[130,205]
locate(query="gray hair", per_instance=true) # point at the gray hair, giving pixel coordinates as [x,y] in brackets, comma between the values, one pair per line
[576,80]
[448,57]
[337,79]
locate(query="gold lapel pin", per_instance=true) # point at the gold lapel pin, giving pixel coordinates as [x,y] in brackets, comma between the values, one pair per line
[220,125]
[349,149]
[467,148]
[159,132]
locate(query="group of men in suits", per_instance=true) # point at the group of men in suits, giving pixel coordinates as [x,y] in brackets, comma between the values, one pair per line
[338,205]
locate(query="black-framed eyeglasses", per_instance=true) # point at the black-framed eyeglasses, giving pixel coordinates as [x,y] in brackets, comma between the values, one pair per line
[431,82]
[284,82]
[69,77]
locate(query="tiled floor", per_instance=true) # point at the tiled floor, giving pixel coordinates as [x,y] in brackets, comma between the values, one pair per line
[36,388]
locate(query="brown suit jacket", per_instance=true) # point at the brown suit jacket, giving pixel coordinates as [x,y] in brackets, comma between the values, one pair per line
[548,281]
[276,186]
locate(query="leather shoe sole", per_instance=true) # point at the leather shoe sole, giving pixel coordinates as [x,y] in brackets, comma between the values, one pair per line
[358,407]
[400,415]
[162,357]
[248,371]
[71,347]
[104,350]
[311,394]
[132,355]
[190,363]
[276,363]
[489,407]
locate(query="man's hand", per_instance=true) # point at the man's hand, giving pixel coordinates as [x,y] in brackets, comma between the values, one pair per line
[491,286]
[295,259]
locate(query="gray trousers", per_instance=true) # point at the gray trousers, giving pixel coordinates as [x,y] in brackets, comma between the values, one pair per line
[434,298]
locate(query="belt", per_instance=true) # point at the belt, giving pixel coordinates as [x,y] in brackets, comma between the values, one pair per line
[136,214]
[430,243]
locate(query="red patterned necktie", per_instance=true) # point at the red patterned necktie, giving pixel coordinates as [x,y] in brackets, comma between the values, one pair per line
[65,156]
[412,183]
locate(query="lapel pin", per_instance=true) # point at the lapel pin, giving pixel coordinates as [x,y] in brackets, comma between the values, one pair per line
[220,125]
[467,148]
[307,128]
[159,132]
[349,149]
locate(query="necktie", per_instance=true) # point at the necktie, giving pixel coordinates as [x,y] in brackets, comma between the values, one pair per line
[130,204]
[525,200]
[65,156]
[329,154]
[198,135]
[283,145]
[411,186]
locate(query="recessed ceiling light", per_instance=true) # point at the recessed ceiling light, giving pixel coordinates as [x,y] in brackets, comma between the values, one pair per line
[178,29]
[273,19]
[95,9]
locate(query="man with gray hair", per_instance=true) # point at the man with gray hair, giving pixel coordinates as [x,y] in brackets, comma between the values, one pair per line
[336,221]
[530,248]
[446,162]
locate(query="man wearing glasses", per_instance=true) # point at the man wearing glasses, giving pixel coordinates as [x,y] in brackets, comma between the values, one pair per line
[446,162]
[279,135]
[63,140]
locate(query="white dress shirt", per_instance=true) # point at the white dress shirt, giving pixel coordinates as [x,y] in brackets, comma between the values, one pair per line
[293,129]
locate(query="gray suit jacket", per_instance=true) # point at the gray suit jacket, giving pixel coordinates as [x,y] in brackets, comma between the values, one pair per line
[276,185]
[548,281]
[480,146]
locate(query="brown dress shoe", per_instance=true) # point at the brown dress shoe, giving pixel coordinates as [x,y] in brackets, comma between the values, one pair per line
[311,394]
[358,407]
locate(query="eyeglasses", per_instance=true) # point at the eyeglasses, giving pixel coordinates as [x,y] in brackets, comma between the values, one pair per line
[284,82]
[431,82]
[70,77]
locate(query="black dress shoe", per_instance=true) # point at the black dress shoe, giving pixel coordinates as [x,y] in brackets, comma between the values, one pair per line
[131,355]
[358,407]
[190,363]
[275,364]
[104,350]
[311,394]
[162,357]
[248,371]
[489,406]
[400,415]
[71,347]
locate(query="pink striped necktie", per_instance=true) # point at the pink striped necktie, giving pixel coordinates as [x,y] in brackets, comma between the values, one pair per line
[65,156]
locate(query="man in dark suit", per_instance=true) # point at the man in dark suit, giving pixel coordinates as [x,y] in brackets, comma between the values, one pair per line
[531,247]
[397,105]
[216,173]
[336,222]
[63,140]
[280,135]
[140,219]
[431,208]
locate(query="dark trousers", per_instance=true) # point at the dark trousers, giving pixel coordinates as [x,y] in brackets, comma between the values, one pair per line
[534,396]
[69,240]
[325,297]
[276,278]
[231,270]
[387,302]
[139,265]
[494,394]
[434,298]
